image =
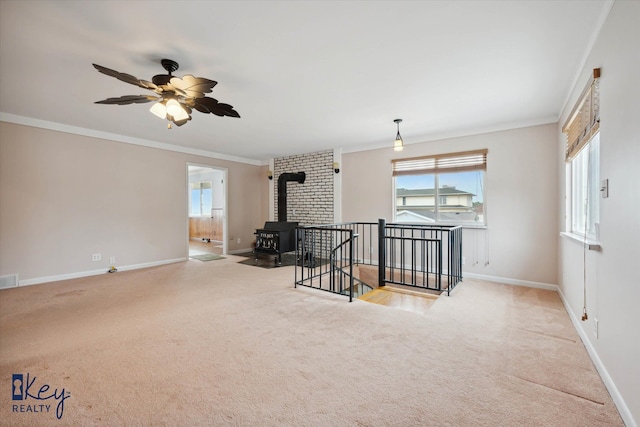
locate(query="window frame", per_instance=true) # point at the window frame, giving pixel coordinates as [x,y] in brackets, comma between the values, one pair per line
[438,166]
[197,185]
[582,128]
[583,198]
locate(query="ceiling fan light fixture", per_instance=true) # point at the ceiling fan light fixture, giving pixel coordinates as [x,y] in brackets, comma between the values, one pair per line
[175,97]
[398,144]
[159,110]
[181,115]
[175,109]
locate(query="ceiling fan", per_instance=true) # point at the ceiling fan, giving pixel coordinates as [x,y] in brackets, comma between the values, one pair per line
[175,97]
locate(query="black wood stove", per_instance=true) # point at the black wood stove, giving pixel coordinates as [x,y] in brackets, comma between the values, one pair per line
[278,237]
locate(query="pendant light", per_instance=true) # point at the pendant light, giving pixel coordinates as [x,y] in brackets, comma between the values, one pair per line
[398,145]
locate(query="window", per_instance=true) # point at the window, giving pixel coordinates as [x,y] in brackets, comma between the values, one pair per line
[201,197]
[583,160]
[585,176]
[441,189]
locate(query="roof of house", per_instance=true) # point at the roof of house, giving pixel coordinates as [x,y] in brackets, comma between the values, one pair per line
[409,216]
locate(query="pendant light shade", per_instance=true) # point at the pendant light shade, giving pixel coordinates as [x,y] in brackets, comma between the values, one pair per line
[398,144]
[159,110]
[175,110]
[171,108]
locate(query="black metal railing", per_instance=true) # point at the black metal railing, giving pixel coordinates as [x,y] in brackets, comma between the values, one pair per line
[418,255]
[326,255]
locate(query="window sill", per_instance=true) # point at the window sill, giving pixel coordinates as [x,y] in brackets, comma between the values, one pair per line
[590,244]
[466,226]
[444,224]
[474,227]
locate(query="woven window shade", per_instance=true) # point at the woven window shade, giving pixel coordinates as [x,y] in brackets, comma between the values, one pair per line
[441,163]
[584,120]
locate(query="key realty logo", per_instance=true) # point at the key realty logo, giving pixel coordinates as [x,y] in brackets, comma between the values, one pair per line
[29,395]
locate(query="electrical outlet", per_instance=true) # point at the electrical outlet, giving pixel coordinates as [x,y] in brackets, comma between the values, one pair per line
[595,326]
[238,241]
[96,257]
[112,260]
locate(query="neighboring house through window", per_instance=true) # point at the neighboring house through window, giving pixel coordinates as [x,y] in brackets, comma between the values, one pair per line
[441,189]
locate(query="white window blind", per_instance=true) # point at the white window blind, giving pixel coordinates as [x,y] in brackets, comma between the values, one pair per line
[203,185]
[441,163]
[584,120]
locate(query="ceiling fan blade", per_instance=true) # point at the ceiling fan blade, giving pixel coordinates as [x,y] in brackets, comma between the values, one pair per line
[129,99]
[194,87]
[127,78]
[211,105]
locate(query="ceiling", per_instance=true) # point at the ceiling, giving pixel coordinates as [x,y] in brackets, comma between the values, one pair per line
[304,76]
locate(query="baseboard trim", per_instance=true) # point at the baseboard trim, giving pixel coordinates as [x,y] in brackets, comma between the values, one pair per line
[507,281]
[622,407]
[79,274]
[9,281]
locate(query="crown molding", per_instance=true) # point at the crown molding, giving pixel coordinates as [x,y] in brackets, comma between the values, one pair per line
[455,134]
[59,127]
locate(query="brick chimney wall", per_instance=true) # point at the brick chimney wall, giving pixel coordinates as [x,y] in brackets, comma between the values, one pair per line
[310,203]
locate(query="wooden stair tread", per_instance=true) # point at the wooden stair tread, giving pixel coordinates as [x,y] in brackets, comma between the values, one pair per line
[392,288]
[403,299]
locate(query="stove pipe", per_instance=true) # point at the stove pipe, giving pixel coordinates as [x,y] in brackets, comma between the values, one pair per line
[282,191]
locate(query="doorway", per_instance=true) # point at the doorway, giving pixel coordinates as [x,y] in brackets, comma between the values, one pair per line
[206,209]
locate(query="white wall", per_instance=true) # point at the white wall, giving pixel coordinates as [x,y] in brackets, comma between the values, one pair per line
[519,244]
[64,197]
[612,274]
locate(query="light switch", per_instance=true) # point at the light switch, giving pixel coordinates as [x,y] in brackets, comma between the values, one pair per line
[604,188]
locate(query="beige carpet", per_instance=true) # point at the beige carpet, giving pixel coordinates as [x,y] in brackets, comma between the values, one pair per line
[221,343]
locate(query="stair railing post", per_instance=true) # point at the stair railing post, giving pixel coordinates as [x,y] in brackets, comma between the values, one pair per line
[295,272]
[382,225]
[351,265]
